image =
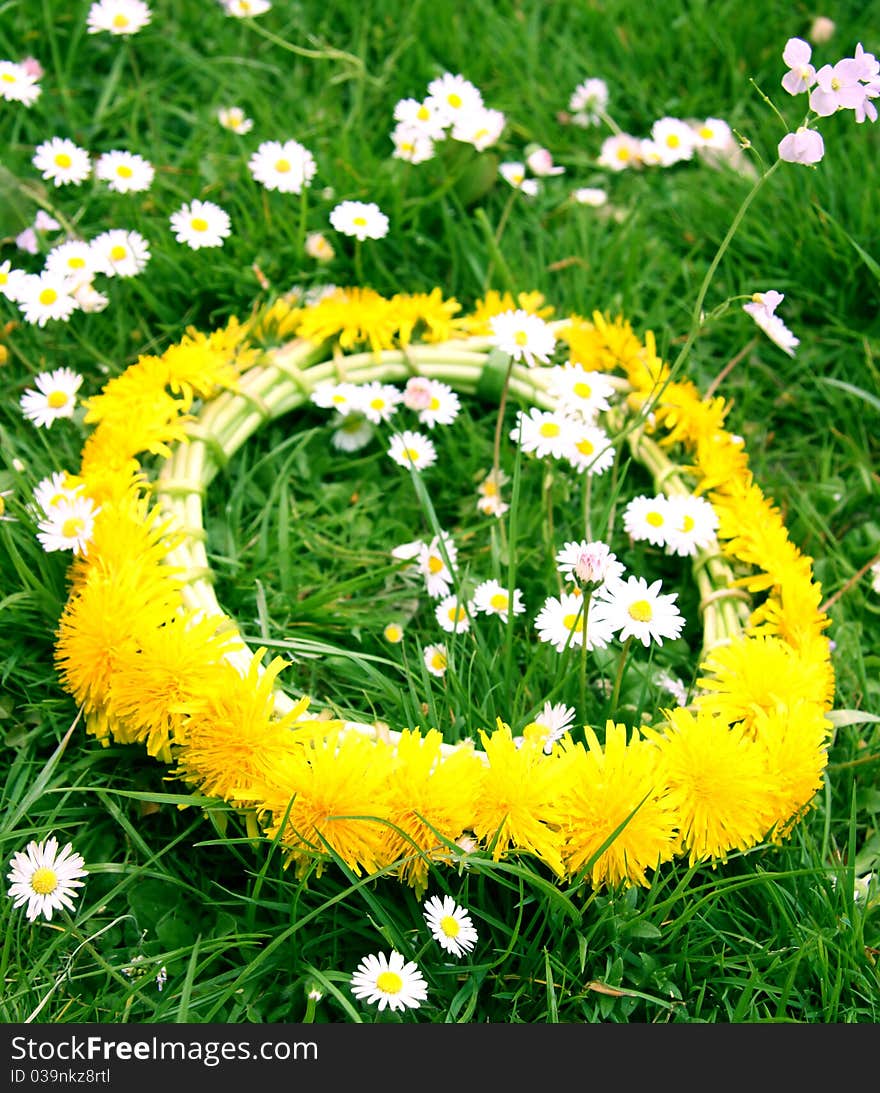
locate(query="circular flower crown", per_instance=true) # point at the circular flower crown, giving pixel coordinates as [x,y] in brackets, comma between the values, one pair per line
[152,658]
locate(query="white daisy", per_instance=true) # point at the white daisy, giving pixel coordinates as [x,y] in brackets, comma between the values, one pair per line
[762,308]
[579,391]
[514,172]
[620,151]
[343,397]
[414,451]
[44,878]
[450,925]
[674,140]
[125,172]
[74,259]
[432,564]
[17,84]
[588,564]
[55,489]
[45,296]
[633,608]
[713,133]
[649,518]
[453,97]
[544,432]
[590,449]
[410,144]
[68,526]
[492,598]
[550,725]
[200,224]
[481,128]
[435,659]
[523,336]
[317,246]
[443,405]
[11,281]
[88,298]
[351,432]
[417,393]
[393,633]
[588,102]
[379,401]
[118,16]
[425,117]
[53,396]
[287,167]
[363,220]
[120,253]
[453,614]
[593,196]
[389,980]
[693,524]
[235,120]
[540,162]
[245,9]
[560,622]
[489,490]
[61,161]
[408,552]
[673,686]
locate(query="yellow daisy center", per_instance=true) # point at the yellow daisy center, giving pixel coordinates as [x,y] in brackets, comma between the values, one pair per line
[687,523]
[640,611]
[434,564]
[585,447]
[72,527]
[499,601]
[282,166]
[393,633]
[575,623]
[7,77]
[76,262]
[655,519]
[57,399]
[454,100]
[124,171]
[457,614]
[450,926]
[377,404]
[118,253]
[389,982]
[438,661]
[62,159]
[412,454]
[360,221]
[673,140]
[583,390]
[423,113]
[549,428]
[199,224]
[44,881]
[490,489]
[434,404]
[521,337]
[120,21]
[706,133]
[622,152]
[48,296]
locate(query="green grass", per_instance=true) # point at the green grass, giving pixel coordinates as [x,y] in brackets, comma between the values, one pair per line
[771,936]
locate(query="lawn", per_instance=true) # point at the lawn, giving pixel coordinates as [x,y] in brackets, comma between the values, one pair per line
[440,546]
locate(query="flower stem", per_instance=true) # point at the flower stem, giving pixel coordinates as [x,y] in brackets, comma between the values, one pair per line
[615,694]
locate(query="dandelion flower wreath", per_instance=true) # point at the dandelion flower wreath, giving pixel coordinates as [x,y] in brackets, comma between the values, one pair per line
[151,657]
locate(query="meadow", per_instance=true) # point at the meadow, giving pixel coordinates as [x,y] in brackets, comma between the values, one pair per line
[424,605]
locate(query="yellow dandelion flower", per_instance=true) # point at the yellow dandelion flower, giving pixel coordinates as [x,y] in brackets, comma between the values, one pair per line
[793,741]
[332,795]
[717,782]
[718,460]
[203,364]
[233,739]
[98,625]
[108,473]
[431,798]
[760,672]
[427,316]
[609,786]
[518,808]
[277,322]
[354,316]
[165,677]
[493,303]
